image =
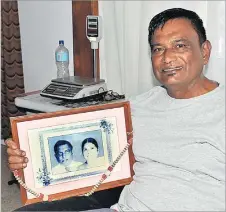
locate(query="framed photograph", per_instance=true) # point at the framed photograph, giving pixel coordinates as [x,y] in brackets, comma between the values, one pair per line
[70,150]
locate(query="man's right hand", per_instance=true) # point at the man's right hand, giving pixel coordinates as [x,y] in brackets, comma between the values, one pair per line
[16,158]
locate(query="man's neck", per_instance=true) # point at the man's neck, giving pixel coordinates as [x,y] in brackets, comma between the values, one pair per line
[197,88]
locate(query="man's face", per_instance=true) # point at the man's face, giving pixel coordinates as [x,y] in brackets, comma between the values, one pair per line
[177,57]
[64,155]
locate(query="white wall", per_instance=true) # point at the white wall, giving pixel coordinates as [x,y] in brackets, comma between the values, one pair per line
[42,25]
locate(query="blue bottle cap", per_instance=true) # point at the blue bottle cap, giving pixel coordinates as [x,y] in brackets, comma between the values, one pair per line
[61,42]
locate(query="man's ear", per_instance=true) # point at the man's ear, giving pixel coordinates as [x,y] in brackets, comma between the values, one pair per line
[206,50]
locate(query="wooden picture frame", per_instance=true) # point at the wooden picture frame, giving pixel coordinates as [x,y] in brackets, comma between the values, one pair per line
[109,124]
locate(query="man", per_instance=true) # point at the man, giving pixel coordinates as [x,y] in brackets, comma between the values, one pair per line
[64,155]
[179,128]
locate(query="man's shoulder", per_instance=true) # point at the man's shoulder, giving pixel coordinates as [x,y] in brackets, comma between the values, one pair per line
[57,168]
[149,95]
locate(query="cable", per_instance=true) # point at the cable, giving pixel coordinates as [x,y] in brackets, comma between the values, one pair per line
[111,95]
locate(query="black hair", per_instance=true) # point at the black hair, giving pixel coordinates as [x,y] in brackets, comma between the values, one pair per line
[89,140]
[160,19]
[60,143]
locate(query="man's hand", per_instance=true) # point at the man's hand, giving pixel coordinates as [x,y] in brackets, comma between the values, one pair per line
[16,157]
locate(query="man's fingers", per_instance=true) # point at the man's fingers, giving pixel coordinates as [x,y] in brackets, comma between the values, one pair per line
[17,160]
[16,152]
[17,166]
[10,143]
[16,157]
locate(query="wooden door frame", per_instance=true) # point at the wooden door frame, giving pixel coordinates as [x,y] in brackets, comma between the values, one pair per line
[82,52]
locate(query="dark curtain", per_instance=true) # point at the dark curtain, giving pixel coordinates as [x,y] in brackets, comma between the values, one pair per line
[11,65]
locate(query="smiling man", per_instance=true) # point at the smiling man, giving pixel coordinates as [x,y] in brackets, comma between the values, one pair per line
[179,52]
[179,127]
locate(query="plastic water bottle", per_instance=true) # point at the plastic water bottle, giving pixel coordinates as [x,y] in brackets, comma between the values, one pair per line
[62,60]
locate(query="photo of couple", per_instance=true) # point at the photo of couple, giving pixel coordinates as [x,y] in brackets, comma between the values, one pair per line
[63,152]
[74,151]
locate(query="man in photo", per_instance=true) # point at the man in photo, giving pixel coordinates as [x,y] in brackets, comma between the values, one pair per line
[64,156]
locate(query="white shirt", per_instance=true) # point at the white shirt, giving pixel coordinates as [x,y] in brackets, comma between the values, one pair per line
[179,146]
[60,169]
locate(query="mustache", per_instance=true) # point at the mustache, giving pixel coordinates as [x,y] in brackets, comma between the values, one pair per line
[171,69]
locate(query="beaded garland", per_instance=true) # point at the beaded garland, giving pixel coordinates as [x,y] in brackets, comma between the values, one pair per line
[103,177]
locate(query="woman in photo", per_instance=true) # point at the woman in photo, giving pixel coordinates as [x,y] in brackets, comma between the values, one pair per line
[90,151]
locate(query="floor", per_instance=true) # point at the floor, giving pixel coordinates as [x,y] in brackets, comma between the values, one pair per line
[10,194]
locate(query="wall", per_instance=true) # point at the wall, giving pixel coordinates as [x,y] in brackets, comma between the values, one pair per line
[42,25]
